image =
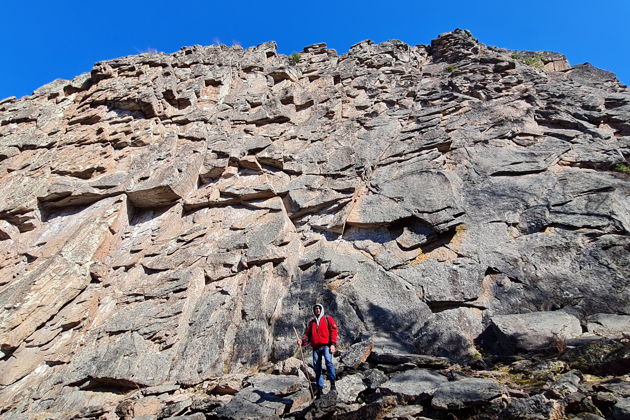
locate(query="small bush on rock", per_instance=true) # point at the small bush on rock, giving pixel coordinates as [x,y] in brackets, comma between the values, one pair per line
[295,58]
[624,168]
[535,61]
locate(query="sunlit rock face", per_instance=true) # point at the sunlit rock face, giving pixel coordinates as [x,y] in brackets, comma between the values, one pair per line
[168,219]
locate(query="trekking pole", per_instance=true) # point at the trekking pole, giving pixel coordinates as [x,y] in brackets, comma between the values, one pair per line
[310,387]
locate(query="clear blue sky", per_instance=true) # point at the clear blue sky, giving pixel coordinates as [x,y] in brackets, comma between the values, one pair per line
[44,40]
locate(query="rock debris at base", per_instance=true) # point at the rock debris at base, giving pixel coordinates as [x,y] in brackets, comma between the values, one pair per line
[462,210]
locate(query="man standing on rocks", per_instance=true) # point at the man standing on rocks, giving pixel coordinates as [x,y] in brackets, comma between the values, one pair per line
[321,334]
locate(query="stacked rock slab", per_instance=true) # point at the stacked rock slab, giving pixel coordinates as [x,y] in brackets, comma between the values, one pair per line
[167,219]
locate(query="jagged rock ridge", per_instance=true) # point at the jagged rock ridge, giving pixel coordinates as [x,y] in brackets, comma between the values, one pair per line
[168,219]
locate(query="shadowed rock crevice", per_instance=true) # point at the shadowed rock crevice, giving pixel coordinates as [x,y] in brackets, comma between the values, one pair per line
[108,385]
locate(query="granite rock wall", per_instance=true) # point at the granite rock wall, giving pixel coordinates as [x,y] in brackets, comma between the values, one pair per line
[169,219]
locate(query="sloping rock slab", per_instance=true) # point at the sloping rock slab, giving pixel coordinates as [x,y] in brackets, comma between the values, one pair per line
[465,393]
[413,385]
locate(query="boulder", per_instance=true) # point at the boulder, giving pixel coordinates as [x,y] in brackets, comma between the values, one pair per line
[290,366]
[609,325]
[228,385]
[580,404]
[349,388]
[300,400]
[413,385]
[533,408]
[176,407]
[566,384]
[357,354]
[605,401]
[621,409]
[250,403]
[406,411]
[279,385]
[601,357]
[531,331]
[469,392]
[374,378]
[617,387]
[392,353]
[451,333]
[147,407]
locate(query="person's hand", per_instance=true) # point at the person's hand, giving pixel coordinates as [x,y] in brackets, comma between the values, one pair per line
[299,341]
[332,349]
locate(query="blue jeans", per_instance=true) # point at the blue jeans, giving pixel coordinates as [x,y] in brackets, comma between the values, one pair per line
[317,365]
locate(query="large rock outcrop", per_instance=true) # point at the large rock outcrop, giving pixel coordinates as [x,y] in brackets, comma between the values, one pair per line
[168,219]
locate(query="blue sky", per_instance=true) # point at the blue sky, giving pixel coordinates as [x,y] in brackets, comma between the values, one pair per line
[44,40]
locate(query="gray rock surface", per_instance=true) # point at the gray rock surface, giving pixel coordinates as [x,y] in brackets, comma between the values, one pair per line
[464,393]
[374,378]
[413,385]
[531,408]
[357,354]
[279,385]
[451,333]
[170,218]
[406,411]
[600,357]
[250,404]
[609,325]
[349,387]
[535,330]
[621,410]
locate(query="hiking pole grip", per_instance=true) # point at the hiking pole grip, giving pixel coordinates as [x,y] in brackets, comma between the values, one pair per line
[310,387]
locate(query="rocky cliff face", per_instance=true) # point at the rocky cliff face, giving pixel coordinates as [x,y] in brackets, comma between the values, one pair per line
[166,220]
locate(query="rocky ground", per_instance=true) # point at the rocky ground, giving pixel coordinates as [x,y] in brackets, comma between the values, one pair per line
[461,210]
[382,380]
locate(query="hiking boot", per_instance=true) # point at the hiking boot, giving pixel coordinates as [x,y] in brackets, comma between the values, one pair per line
[333,386]
[318,393]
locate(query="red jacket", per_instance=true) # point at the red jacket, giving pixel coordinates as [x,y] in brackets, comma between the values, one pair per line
[323,335]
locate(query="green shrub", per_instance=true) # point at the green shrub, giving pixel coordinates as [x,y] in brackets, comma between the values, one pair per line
[624,168]
[295,58]
[535,61]
[450,69]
